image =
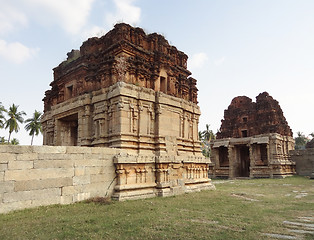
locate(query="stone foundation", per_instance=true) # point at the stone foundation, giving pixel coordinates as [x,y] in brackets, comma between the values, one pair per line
[32,176]
[146,176]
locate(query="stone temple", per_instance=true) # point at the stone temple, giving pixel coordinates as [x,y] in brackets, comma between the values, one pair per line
[130,90]
[254,140]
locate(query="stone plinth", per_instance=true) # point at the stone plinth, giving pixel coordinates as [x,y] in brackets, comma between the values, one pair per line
[147,176]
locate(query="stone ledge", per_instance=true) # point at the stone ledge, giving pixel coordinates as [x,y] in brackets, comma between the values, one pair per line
[134,186]
[135,194]
[127,158]
[200,180]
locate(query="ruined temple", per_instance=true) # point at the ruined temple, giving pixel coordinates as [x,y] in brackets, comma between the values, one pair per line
[130,90]
[254,140]
[310,144]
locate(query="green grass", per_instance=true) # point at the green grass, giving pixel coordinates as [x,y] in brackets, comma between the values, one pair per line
[239,209]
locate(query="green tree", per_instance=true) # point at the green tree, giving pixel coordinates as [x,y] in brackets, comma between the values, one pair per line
[15,117]
[33,125]
[300,141]
[15,141]
[205,137]
[2,140]
[208,134]
[2,118]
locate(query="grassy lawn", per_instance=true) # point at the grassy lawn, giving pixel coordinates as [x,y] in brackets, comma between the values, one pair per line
[237,209]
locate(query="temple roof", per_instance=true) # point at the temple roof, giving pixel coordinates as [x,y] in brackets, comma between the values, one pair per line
[245,118]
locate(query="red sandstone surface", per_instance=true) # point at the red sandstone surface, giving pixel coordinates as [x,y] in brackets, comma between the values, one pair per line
[245,118]
[97,66]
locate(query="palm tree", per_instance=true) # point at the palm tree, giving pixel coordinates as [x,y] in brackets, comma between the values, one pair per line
[2,118]
[208,134]
[15,117]
[34,125]
[2,140]
[15,141]
[205,137]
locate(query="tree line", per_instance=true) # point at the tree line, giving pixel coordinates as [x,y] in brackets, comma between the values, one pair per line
[11,118]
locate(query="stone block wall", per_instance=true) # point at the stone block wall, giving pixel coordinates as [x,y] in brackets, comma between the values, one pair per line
[33,176]
[304,161]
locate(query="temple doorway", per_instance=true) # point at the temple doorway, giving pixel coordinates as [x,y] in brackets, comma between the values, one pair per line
[68,134]
[243,163]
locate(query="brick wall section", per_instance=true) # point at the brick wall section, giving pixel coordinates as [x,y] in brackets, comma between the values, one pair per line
[33,176]
[304,160]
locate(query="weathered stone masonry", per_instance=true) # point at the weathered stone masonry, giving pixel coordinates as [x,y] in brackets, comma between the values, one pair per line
[254,140]
[304,160]
[33,176]
[131,91]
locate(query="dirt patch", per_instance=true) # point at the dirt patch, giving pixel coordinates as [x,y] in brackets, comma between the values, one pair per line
[242,196]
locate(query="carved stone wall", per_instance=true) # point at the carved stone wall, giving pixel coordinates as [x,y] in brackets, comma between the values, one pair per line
[125,116]
[147,176]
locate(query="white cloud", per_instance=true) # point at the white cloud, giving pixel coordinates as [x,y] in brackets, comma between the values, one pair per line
[10,18]
[16,52]
[197,60]
[70,14]
[94,31]
[219,61]
[125,12]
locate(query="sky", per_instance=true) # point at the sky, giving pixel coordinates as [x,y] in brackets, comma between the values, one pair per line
[235,48]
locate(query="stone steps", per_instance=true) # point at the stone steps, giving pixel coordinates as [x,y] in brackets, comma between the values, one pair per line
[295,229]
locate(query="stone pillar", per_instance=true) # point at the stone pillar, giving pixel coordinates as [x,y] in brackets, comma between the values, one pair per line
[57,133]
[252,157]
[269,161]
[86,128]
[232,161]
[181,125]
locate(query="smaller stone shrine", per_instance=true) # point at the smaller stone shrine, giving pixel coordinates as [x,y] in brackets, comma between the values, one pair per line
[254,140]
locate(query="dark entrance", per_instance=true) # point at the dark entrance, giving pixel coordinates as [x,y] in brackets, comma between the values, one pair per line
[68,130]
[223,157]
[243,161]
